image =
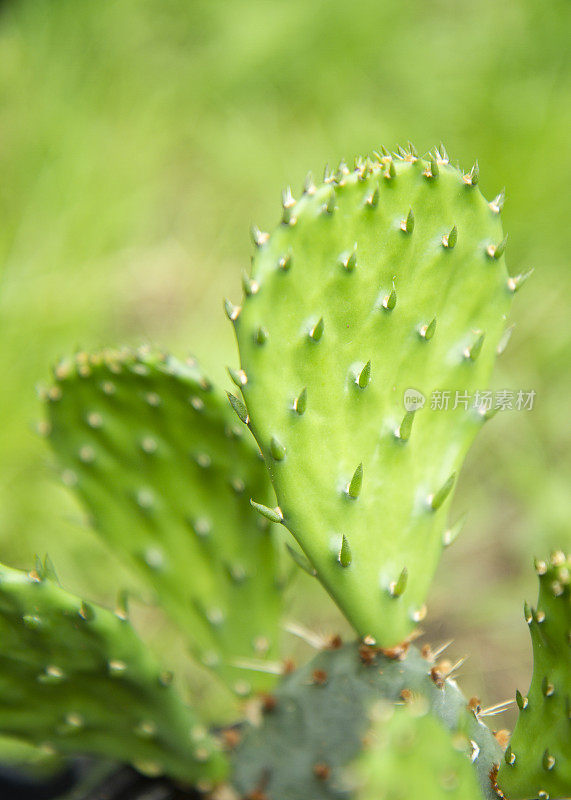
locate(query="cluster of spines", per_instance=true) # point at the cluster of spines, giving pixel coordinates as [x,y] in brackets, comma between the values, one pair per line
[383,163]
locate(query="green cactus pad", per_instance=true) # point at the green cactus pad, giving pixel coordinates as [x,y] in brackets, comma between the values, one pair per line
[538,760]
[387,278]
[75,678]
[166,472]
[315,722]
[409,754]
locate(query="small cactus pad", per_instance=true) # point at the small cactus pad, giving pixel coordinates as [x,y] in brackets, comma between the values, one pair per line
[166,472]
[385,279]
[314,724]
[75,678]
[538,759]
[409,754]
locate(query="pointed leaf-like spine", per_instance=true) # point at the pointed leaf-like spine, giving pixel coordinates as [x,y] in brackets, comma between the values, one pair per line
[527,613]
[329,206]
[407,224]
[497,203]
[547,687]
[86,611]
[249,285]
[238,376]
[427,331]
[349,260]
[405,428]
[261,335]
[437,499]
[342,171]
[301,560]
[372,199]
[473,351]
[522,702]
[316,331]
[497,250]
[449,239]
[232,311]
[277,449]
[548,761]
[273,514]
[390,300]
[364,376]
[451,534]
[259,238]
[356,483]
[300,402]
[391,171]
[396,588]
[345,556]
[472,178]
[239,408]
[504,341]
[516,281]
[309,186]
[434,168]
[288,202]
[284,262]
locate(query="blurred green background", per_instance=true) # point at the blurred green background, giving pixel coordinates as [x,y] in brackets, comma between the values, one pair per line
[139,139]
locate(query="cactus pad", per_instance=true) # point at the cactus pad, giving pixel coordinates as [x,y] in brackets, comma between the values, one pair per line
[538,760]
[163,466]
[75,678]
[409,754]
[386,278]
[314,724]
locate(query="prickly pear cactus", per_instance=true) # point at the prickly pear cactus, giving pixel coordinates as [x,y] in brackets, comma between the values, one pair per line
[538,759]
[386,278]
[159,459]
[409,754]
[314,723]
[75,678]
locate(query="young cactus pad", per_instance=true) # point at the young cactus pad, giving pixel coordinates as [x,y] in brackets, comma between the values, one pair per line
[316,721]
[161,462]
[387,278]
[537,762]
[409,754]
[75,678]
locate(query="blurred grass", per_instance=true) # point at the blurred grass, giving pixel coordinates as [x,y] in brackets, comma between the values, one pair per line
[139,140]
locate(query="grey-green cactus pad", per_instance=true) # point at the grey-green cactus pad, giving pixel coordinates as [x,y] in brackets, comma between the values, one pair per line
[75,678]
[538,760]
[166,472]
[386,278]
[314,726]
